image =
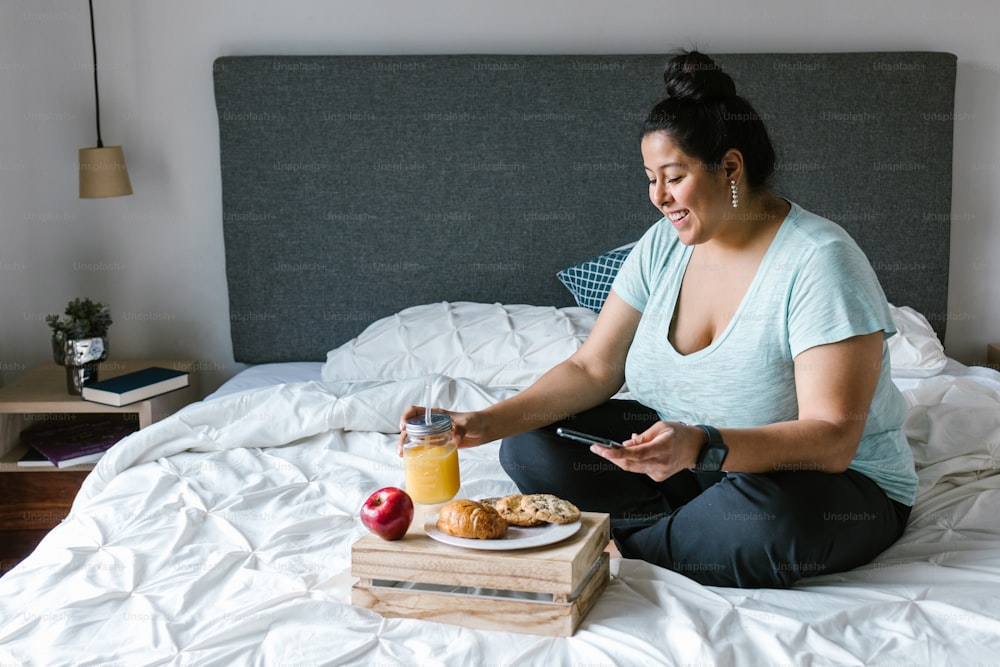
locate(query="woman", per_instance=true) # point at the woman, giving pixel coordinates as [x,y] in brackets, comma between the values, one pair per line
[764,443]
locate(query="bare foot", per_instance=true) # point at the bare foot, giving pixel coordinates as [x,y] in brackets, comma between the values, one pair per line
[612,550]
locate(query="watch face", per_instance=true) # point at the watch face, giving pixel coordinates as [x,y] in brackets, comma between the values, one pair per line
[713,456]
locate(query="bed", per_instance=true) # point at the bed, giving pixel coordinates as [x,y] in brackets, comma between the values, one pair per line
[396,222]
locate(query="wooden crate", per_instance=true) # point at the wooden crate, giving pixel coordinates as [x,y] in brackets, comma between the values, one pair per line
[545,590]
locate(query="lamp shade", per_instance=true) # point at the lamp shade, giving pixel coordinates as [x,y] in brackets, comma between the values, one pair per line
[103,173]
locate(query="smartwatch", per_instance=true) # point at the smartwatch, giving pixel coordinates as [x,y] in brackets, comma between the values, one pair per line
[713,453]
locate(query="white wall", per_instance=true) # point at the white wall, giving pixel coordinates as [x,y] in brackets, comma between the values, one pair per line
[157,256]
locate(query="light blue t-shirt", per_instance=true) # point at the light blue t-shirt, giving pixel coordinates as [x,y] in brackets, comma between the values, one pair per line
[814,286]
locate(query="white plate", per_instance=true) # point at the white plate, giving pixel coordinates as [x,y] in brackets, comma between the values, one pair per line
[516,538]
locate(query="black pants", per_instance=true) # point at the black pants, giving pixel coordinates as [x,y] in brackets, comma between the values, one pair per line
[722,529]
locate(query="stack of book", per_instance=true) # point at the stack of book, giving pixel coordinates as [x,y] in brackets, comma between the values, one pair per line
[81,440]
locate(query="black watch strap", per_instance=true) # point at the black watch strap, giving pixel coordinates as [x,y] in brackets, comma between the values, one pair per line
[713,453]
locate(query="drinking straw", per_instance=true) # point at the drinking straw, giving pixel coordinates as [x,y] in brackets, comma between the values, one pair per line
[427,403]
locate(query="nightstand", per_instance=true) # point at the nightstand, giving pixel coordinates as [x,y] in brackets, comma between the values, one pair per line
[35,499]
[993,356]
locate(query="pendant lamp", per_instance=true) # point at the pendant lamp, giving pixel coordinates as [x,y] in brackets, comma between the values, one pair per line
[102,169]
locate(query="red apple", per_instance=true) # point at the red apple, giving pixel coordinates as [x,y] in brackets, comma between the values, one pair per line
[388,513]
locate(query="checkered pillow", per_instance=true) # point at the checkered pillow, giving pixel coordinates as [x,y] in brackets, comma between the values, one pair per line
[590,281]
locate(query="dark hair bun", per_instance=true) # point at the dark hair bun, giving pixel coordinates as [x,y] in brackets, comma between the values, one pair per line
[695,77]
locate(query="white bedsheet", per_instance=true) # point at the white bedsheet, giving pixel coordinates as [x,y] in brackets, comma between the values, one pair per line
[265,375]
[221,536]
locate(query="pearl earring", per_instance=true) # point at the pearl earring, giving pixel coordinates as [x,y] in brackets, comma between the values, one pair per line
[735,192]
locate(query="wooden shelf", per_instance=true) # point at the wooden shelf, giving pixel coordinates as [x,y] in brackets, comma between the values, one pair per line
[32,504]
[41,395]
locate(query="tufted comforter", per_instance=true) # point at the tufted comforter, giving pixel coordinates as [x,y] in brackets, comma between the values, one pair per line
[222,535]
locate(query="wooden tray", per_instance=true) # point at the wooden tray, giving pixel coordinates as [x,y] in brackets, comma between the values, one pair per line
[545,590]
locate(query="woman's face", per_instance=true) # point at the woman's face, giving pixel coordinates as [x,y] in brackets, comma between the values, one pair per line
[694,198]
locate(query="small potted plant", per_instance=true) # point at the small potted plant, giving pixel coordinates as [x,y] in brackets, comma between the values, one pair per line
[80,340]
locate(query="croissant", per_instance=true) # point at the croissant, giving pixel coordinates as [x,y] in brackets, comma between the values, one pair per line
[467,518]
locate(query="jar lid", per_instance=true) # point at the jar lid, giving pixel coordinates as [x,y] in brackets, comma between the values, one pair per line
[440,423]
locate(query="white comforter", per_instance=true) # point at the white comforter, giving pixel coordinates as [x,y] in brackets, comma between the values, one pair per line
[221,536]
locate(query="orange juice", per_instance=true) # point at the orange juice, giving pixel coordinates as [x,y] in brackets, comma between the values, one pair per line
[431,472]
[430,459]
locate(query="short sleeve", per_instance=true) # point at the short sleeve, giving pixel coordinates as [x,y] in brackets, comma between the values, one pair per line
[634,280]
[835,296]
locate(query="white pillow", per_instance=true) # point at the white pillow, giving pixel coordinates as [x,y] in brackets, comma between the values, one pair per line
[915,351]
[492,344]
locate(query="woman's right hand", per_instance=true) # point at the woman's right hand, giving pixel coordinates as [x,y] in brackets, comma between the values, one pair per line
[467,427]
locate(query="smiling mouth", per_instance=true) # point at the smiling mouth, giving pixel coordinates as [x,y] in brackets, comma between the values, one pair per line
[677,216]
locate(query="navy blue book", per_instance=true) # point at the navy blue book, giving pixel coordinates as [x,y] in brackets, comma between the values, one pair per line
[135,386]
[34,459]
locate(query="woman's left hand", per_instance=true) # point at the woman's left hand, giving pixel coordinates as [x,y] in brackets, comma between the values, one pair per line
[658,452]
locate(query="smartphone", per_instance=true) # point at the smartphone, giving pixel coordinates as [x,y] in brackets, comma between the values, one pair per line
[588,439]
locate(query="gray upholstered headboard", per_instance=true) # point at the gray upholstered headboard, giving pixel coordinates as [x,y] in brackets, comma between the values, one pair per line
[354,187]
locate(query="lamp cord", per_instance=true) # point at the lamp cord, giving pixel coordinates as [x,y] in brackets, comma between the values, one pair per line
[97,99]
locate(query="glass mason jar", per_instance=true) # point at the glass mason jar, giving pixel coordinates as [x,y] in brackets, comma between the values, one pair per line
[430,460]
